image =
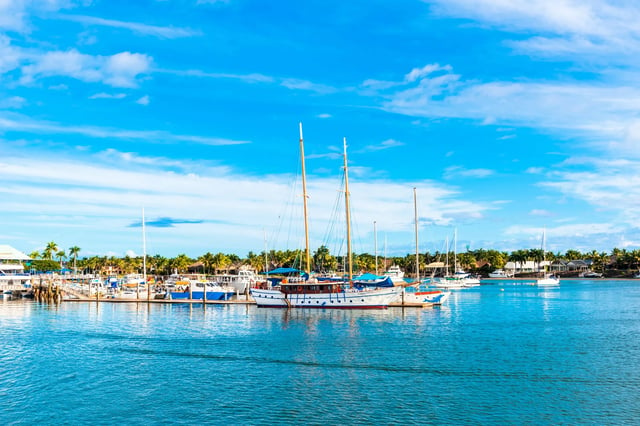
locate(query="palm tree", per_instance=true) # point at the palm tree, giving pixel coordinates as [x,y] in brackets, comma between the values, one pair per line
[73,252]
[48,252]
[34,255]
[518,256]
[220,261]
[323,261]
[537,255]
[207,260]
[60,255]
[181,262]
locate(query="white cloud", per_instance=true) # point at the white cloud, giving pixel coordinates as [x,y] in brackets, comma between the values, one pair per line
[540,212]
[599,31]
[596,112]
[9,56]
[235,208]
[457,171]
[565,231]
[534,170]
[610,186]
[108,96]
[247,78]
[294,83]
[119,70]
[152,30]
[14,14]
[419,73]
[13,102]
[324,115]
[386,144]
[143,100]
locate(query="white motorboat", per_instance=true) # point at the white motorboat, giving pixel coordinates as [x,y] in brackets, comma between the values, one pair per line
[241,282]
[499,273]
[395,273]
[548,280]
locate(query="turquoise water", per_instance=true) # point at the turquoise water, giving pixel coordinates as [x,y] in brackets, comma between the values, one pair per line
[499,354]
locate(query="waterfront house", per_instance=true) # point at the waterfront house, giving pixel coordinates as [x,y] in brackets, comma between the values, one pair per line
[527,267]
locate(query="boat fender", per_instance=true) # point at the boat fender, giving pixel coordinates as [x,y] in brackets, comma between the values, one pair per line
[299,288]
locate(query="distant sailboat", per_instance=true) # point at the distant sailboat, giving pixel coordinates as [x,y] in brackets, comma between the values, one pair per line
[418,293]
[547,279]
[302,292]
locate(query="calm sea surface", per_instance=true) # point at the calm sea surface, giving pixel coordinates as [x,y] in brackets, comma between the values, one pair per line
[497,354]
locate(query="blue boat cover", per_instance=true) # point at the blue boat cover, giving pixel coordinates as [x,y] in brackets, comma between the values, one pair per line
[284,271]
[288,271]
[368,277]
[371,280]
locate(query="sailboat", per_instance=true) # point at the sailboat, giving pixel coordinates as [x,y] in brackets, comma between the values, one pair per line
[547,279]
[418,293]
[455,281]
[302,292]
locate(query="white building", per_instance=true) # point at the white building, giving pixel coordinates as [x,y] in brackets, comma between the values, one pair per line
[11,269]
[528,266]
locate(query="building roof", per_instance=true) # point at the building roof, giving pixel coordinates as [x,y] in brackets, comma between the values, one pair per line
[9,253]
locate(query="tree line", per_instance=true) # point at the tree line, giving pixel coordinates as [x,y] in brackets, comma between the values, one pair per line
[480,260]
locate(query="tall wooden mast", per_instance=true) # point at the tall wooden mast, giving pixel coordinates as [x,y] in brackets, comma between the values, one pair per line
[144,260]
[348,211]
[375,244]
[307,267]
[415,212]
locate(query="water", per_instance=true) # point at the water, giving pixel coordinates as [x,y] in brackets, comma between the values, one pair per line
[499,354]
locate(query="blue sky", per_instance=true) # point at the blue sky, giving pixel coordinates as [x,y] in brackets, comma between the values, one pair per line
[507,116]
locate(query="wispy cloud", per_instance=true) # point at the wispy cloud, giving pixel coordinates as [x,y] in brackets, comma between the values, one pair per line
[13,102]
[119,70]
[143,100]
[158,136]
[458,171]
[323,115]
[289,83]
[297,84]
[564,231]
[540,212]
[169,32]
[164,222]
[386,144]
[103,95]
[611,186]
[247,78]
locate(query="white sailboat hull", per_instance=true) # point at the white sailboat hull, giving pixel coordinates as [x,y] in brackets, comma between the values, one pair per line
[548,281]
[349,299]
[450,283]
[437,297]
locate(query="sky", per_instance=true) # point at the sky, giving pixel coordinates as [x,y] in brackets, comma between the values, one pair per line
[509,117]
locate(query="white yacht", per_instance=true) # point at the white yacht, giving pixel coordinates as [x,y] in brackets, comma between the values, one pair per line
[499,273]
[241,282]
[395,273]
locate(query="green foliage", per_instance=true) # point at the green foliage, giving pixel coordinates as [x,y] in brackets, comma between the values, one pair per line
[44,265]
